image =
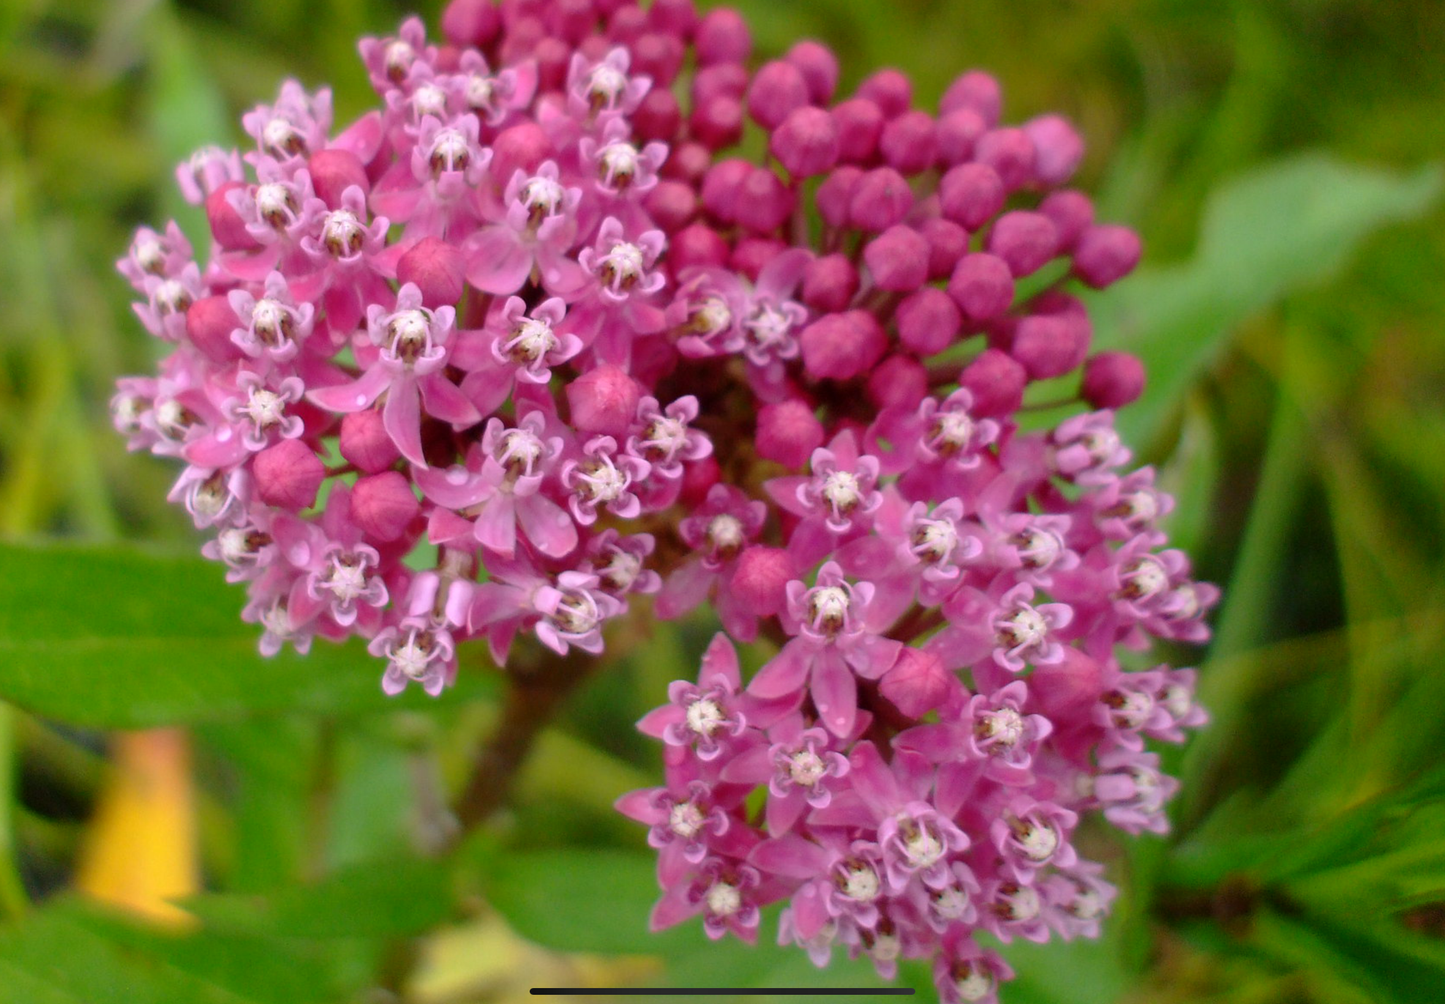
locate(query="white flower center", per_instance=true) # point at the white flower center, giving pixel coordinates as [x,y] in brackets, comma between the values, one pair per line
[480,91]
[1004,726]
[952,431]
[519,449]
[921,846]
[347,579]
[281,137]
[342,233]
[685,819]
[828,606]
[1176,700]
[542,196]
[767,327]
[531,340]
[950,903]
[806,768]
[409,333]
[150,256]
[860,883]
[429,99]
[1017,903]
[712,316]
[704,716]
[723,899]
[623,265]
[449,152]
[972,983]
[842,492]
[1087,905]
[276,205]
[1144,578]
[1038,843]
[605,85]
[1022,628]
[934,540]
[725,532]
[619,163]
[264,408]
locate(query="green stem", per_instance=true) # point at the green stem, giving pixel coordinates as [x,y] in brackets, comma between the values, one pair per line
[14,903]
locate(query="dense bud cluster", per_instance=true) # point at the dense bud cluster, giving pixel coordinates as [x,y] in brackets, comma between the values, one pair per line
[540,313]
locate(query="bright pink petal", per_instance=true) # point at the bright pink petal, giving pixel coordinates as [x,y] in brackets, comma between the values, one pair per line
[401,417]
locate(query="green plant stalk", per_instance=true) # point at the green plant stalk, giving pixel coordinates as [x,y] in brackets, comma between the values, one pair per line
[14,903]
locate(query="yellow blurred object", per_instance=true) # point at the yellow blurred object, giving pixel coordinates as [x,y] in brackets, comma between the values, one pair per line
[139,851]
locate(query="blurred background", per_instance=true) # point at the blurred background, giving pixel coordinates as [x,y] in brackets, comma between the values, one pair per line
[1280,159]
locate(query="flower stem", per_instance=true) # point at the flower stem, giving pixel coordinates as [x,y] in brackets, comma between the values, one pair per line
[535,691]
[13,901]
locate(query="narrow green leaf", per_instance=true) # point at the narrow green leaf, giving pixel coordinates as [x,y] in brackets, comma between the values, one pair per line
[121,637]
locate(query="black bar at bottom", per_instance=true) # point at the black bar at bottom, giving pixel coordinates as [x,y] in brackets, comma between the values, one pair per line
[720,991]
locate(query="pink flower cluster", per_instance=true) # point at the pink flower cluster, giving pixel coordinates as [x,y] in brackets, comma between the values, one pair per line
[535,338]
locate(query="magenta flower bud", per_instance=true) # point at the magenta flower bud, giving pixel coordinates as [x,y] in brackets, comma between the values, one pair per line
[1010,152]
[842,346]
[928,321]
[471,23]
[806,143]
[438,268]
[687,162]
[718,123]
[209,323]
[384,505]
[671,204]
[900,381]
[776,90]
[956,133]
[626,23]
[552,56]
[696,246]
[881,199]
[788,432]
[226,224]
[752,254]
[860,123]
[1024,240]
[288,475]
[365,442]
[759,584]
[1112,380]
[675,17]
[521,147]
[819,68]
[977,91]
[915,684]
[982,286]
[698,478]
[333,172]
[722,37]
[571,20]
[1048,345]
[1069,688]
[835,195]
[829,283]
[890,90]
[604,400]
[658,56]
[947,243]
[996,382]
[1071,213]
[658,117]
[725,80]
[720,188]
[897,259]
[1058,148]
[521,38]
[970,194]
[909,143]
[1105,254]
[764,203]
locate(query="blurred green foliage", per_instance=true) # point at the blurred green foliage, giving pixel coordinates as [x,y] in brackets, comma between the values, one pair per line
[1277,157]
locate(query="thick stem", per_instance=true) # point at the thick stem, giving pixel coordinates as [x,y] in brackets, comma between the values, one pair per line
[534,693]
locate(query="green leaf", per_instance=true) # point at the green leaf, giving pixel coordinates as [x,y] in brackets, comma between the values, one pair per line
[397,895]
[1270,231]
[121,637]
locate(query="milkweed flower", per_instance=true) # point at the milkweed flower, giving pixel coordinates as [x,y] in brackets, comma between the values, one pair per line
[535,311]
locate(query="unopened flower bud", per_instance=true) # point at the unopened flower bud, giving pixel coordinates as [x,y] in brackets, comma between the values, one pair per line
[659,57]
[722,37]
[900,381]
[788,432]
[1024,240]
[982,286]
[718,123]
[956,133]
[1105,254]
[807,142]
[1071,213]
[947,243]
[881,199]
[384,505]
[996,382]
[658,117]
[437,267]
[890,90]
[696,246]
[819,68]
[860,123]
[909,142]
[842,346]
[975,90]
[1058,149]
[721,188]
[209,323]
[288,475]
[760,581]
[1069,687]
[365,442]
[227,226]
[970,194]
[1010,152]
[764,202]
[675,17]
[917,683]
[603,400]
[897,259]
[728,80]
[1049,345]
[753,253]
[471,22]
[671,204]
[835,195]
[829,283]
[333,172]
[777,89]
[522,147]
[1112,380]
[928,321]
